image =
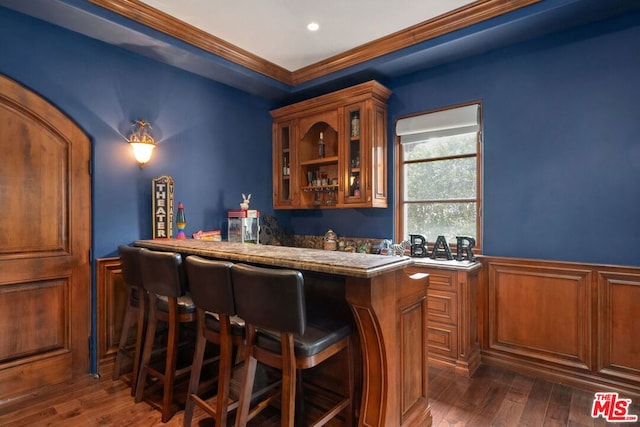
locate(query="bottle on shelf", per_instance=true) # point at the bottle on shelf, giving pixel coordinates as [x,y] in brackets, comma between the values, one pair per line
[355,188]
[355,125]
[321,145]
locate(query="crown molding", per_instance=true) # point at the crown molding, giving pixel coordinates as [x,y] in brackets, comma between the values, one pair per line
[455,20]
[465,16]
[167,24]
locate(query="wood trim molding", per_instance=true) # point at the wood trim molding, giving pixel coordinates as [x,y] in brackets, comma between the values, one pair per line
[471,14]
[596,304]
[618,323]
[160,21]
[111,298]
[457,19]
[540,312]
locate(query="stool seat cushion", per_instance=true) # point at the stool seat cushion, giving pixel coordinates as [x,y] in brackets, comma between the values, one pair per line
[212,321]
[185,304]
[316,338]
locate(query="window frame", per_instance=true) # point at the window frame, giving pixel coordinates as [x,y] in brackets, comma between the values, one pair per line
[399,196]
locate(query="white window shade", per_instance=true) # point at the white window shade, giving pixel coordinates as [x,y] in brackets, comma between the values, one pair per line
[438,124]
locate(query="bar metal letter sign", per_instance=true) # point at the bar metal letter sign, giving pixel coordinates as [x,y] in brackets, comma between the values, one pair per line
[162,207]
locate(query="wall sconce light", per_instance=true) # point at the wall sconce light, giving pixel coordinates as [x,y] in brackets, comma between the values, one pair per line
[142,142]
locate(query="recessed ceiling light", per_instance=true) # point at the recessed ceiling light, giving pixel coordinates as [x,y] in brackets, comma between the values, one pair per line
[313,26]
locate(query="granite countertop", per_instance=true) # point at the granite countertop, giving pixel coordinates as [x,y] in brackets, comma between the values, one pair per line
[318,260]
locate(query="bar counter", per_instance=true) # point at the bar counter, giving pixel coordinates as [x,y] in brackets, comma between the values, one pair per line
[388,306]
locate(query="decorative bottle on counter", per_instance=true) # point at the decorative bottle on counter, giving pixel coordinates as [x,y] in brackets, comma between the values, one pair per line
[181,222]
[330,241]
[321,145]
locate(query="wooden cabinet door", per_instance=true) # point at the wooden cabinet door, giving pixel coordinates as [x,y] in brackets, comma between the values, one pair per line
[354,156]
[364,155]
[378,156]
[44,244]
[285,191]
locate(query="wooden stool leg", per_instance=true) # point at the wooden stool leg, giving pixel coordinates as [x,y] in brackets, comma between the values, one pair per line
[148,347]
[172,356]
[224,375]
[196,369]
[140,333]
[126,324]
[299,398]
[288,408]
[249,374]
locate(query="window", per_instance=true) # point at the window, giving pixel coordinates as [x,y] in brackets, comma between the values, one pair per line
[438,175]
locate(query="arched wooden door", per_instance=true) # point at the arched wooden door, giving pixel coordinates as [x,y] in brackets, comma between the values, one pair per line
[45,235]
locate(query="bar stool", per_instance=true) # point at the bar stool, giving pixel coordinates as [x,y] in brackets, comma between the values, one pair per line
[135,311]
[212,293]
[164,279]
[272,300]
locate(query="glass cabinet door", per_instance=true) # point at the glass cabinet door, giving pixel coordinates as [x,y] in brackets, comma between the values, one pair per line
[354,155]
[282,174]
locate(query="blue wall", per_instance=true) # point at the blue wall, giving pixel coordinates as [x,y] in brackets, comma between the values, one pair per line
[213,140]
[561,126]
[561,140]
[209,135]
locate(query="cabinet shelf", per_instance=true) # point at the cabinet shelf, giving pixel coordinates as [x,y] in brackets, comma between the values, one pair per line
[320,161]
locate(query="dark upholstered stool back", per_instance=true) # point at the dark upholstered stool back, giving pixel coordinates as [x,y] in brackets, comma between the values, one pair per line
[164,278]
[254,289]
[135,313]
[163,273]
[210,285]
[212,292]
[130,262]
[272,303]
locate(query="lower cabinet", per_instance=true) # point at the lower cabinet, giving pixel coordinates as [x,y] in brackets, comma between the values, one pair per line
[452,331]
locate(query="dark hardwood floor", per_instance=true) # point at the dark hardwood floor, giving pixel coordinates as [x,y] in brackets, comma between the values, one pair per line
[492,397]
[497,397]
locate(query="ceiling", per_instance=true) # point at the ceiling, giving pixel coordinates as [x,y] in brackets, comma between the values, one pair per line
[262,46]
[276,30]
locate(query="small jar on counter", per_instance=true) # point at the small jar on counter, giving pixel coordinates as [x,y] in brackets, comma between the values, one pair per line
[330,241]
[349,246]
